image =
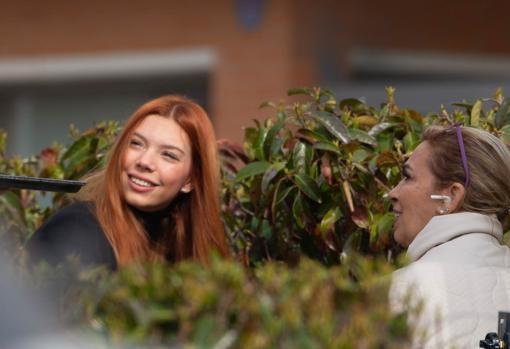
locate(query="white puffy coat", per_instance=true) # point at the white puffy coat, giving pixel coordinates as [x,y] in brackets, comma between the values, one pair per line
[462,273]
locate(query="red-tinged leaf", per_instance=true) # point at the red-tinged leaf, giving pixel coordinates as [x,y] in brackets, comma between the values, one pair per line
[49,156]
[360,217]
[232,149]
[326,169]
[329,240]
[386,159]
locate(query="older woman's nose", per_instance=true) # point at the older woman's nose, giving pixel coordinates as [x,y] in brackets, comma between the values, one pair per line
[393,194]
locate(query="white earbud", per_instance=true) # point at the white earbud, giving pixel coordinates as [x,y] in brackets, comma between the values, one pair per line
[447,199]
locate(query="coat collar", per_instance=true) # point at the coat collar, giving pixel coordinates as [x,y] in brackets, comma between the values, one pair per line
[441,229]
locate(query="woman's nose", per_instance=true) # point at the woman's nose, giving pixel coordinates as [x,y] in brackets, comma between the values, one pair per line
[145,161]
[393,194]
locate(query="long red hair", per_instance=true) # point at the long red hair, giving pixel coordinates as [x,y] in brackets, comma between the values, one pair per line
[196,228]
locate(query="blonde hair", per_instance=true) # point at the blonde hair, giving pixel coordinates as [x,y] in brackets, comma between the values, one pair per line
[488,159]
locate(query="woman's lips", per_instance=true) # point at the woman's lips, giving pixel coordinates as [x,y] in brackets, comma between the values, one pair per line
[140,184]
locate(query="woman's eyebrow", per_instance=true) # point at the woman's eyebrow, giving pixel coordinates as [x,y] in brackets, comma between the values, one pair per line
[166,146]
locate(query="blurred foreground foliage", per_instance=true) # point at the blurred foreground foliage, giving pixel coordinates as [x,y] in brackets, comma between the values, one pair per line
[229,306]
[305,210]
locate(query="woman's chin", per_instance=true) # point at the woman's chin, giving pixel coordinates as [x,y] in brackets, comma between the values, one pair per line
[400,238]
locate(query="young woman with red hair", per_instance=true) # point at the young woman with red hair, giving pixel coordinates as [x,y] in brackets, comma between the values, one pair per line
[156,199]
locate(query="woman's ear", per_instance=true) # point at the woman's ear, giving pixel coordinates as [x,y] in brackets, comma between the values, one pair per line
[187,187]
[457,192]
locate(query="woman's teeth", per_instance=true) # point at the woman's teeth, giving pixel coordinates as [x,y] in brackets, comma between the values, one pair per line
[141,182]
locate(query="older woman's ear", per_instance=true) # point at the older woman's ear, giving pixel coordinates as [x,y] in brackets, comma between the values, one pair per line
[457,192]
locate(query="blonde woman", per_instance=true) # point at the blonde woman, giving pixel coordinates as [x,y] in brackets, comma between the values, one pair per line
[450,208]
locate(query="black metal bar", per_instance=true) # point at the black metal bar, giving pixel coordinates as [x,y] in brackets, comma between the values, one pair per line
[35,183]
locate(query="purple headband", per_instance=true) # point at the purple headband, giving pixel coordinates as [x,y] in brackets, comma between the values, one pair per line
[463,156]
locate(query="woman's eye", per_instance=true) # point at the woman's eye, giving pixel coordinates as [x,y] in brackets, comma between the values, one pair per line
[170,156]
[135,143]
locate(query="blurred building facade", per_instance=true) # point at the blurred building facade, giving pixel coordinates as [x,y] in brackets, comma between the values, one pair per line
[80,62]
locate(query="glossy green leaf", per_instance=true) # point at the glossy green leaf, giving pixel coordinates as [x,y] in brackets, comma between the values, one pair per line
[280,194]
[385,142]
[299,156]
[308,186]
[505,134]
[350,102]
[411,141]
[334,125]
[385,224]
[11,200]
[313,135]
[80,152]
[252,169]
[359,155]
[265,230]
[475,113]
[270,174]
[276,147]
[250,139]
[3,141]
[330,219]
[298,211]
[362,137]
[467,106]
[374,131]
[260,154]
[327,147]
[300,91]
[270,138]
[267,104]
[502,116]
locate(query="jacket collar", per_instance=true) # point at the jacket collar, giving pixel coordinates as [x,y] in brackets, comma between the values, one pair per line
[441,229]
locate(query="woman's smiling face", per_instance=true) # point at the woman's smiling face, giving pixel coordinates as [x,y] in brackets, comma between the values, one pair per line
[157,164]
[411,200]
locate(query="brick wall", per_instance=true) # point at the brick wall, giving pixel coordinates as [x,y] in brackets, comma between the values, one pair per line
[289,48]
